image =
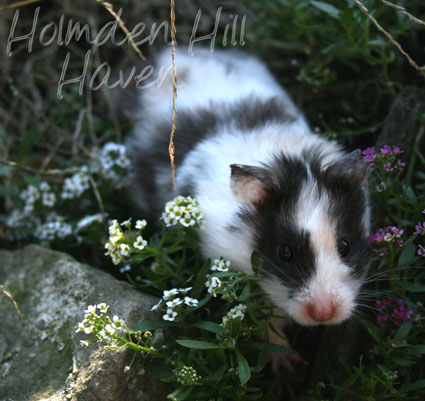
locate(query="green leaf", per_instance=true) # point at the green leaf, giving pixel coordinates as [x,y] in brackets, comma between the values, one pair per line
[201,279]
[245,293]
[403,331]
[209,326]
[408,255]
[243,368]
[414,350]
[373,330]
[410,194]
[327,8]
[151,325]
[403,362]
[405,388]
[413,287]
[199,344]
[270,348]
[181,394]
[254,262]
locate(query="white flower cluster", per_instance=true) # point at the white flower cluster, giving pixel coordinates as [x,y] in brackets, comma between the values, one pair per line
[116,250]
[237,312]
[96,322]
[21,225]
[88,221]
[76,185]
[187,376]
[213,284]
[112,162]
[116,247]
[182,210]
[48,198]
[172,301]
[54,228]
[31,194]
[220,265]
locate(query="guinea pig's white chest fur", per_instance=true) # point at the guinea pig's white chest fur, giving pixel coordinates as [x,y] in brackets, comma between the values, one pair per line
[263,180]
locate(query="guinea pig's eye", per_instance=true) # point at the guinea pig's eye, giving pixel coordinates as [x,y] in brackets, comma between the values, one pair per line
[343,248]
[285,253]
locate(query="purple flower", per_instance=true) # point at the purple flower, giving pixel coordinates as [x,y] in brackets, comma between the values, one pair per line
[369,154]
[386,150]
[400,165]
[393,313]
[421,251]
[385,238]
[423,211]
[388,167]
[381,187]
[420,228]
[397,150]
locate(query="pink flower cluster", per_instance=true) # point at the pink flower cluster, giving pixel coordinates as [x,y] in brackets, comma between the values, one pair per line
[384,238]
[393,313]
[387,157]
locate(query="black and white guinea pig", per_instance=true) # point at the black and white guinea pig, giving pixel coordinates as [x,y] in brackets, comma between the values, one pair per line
[262,178]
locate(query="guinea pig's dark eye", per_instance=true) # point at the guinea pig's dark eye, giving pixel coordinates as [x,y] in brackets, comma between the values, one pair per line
[343,248]
[285,253]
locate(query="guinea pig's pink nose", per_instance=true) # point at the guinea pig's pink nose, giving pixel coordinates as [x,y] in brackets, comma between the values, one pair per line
[321,311]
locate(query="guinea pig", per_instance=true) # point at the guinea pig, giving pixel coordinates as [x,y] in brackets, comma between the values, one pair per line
[264,181]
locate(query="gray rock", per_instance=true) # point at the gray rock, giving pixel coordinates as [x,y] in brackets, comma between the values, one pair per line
[402,126]
[45,360]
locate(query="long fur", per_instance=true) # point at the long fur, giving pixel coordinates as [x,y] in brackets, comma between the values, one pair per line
[232,111]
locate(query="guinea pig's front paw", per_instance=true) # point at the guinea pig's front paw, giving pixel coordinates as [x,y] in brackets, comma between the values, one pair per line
[292,365]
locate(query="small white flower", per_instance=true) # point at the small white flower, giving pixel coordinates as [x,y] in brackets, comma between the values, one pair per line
[184,291]
[124,250]
[170,294]
[175,302]
[170,315]
[109,329]
[84,343]
[48,199]
[114,228]
[44,186]
[126,369]
[126,223]
[80,327]
[156,306]
[117,323]
[220,265]
[103,308]
[191,301]
[88,220]
[140,224]
[90,309]
[88,330]
[140,243]
[213,284]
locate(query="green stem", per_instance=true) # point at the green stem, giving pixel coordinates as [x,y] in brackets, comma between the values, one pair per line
[137,347]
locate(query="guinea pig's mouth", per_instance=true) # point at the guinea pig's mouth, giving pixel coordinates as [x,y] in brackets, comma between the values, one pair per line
[310,307]
[331,308]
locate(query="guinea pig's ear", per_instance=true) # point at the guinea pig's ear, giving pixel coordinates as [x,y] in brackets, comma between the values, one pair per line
[250,184]
[351,166]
